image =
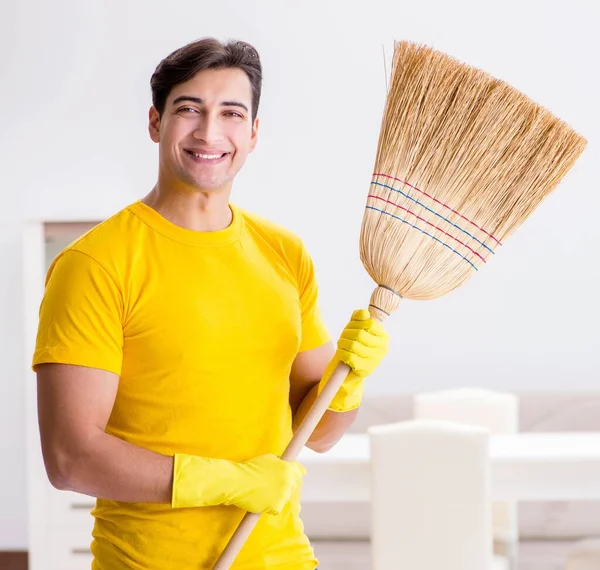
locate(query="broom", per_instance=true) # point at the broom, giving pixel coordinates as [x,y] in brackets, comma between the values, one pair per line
[463,160]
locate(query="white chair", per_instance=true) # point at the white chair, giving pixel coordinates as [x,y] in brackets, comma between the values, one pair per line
[430,497]
[497,412]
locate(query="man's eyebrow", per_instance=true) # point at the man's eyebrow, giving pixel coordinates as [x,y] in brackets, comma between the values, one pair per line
[182,98]
[234,104]
[200,101]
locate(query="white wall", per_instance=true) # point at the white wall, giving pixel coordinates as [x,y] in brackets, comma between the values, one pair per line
[74,145]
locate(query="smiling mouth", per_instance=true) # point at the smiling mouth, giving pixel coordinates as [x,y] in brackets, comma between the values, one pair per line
[206,156]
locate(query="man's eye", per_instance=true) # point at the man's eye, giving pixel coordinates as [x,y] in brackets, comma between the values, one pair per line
[233,114]
[187,110]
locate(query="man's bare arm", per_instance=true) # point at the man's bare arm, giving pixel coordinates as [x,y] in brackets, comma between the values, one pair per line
[307,371]
[74,404]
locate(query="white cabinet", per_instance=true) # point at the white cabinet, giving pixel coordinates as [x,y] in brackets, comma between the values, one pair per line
[69,510]
[60,524]
[69,549]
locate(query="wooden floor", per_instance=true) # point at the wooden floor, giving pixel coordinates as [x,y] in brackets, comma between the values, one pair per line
[13,560]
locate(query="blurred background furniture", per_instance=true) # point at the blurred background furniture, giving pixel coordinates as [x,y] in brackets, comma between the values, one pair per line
[449,499]
[496,411]
[548,530]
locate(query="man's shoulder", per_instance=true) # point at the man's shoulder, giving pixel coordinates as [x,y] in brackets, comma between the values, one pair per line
[273,232]
[108,237]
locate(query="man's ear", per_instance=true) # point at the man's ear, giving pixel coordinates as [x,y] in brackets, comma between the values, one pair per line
[154,124]
[254,136]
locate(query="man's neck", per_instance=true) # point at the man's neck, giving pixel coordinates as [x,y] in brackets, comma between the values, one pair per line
[192,210]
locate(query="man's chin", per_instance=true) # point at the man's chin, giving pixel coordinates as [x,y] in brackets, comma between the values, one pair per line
[204,185]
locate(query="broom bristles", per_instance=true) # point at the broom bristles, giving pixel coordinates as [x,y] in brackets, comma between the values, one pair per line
[463,160]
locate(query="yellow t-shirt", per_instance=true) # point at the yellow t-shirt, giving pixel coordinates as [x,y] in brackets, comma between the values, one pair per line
[202,328]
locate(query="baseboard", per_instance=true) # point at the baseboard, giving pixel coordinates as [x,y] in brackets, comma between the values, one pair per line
[13,560]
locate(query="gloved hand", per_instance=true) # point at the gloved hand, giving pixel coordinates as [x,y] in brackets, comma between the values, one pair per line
[261,485]
[362,345]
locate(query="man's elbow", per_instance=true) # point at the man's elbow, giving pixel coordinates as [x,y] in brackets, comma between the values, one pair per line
[59,481]
[61,467]
[321,446]
[59,471]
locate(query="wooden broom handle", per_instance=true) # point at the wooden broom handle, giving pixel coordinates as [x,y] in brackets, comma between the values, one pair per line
[302,435]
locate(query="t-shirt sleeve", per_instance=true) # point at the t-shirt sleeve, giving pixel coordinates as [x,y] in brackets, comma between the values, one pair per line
[314,331]
[81,315]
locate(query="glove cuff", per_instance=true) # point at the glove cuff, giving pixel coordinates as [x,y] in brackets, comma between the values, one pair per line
[350,394]
[200,481]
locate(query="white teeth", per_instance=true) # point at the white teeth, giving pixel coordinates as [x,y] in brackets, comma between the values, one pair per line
[208,156]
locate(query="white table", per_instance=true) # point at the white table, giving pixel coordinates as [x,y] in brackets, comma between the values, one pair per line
[524,467]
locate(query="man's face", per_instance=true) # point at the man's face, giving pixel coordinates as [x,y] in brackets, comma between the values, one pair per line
[206,131]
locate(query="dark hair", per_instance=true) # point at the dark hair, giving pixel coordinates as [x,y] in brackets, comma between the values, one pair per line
[206,53]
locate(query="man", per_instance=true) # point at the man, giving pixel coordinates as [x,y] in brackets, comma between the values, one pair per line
[180,342]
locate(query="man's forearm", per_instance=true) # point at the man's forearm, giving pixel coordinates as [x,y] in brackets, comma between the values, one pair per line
[331,428]
[113,469]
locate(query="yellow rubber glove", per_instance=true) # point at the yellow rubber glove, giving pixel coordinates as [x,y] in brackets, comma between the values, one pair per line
[261,485]
[362,345]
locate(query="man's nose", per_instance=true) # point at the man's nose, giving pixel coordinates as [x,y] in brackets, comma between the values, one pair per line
[208,130]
